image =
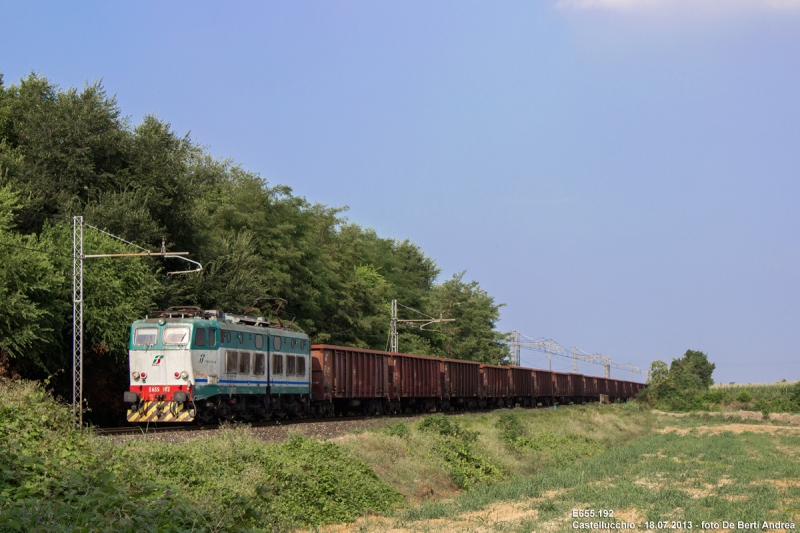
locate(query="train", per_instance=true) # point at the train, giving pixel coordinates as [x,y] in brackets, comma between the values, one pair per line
[193,365]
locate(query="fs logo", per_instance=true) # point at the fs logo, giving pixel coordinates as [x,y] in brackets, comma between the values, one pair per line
[202,356]
[157,360]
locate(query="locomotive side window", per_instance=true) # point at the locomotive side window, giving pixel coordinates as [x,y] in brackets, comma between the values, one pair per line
[294,342]
[276,343]
[277,363]
[260,367]
[200,337]
[212,337]
[290,368]
[259,342]
[176,335]
[240,336]
[145,336]
[244,362]
[231,361]
[301,366]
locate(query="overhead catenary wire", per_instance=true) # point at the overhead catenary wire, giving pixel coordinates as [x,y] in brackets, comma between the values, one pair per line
[32,249]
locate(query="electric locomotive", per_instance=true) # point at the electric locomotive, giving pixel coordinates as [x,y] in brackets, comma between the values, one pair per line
[187,364]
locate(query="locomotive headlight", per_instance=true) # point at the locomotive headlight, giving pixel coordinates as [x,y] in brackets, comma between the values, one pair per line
[184,375]
[177,375]
[144,375]
[135,375]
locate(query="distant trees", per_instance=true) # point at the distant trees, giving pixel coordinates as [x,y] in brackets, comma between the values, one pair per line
[68,152]
[683,386]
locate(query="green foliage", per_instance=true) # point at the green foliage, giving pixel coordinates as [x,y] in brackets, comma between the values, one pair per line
[714,396]
[684,387]
[456,445]
[510,427]
[794,393]
[70,152]
[472,335]
[659,371]
[53,478]
[744,396]
[399,429]
[562,449]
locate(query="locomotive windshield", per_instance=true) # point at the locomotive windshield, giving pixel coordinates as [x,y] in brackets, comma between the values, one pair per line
[145,336]
[176,335]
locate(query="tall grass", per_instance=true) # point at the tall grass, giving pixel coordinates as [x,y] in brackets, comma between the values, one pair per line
[54,478]
[684,476]
[781,397]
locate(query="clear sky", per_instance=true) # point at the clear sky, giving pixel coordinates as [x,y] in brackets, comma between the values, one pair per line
[622,174]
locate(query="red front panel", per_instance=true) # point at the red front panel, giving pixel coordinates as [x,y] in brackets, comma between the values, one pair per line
[160,392]
[522,379]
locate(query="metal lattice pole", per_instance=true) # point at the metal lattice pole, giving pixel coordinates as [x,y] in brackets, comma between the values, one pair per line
[77,320]
[394,327]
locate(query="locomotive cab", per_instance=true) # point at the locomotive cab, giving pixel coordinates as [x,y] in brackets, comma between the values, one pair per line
[161,371]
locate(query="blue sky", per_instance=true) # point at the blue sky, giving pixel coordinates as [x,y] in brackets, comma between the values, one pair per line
[622,174]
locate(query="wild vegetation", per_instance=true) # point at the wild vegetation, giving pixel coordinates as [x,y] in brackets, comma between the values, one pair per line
[72,152]
[54,478]
[693,468]
[766,398]
[686,385]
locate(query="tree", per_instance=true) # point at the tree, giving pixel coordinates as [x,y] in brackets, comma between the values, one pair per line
[658,372]
[472,335]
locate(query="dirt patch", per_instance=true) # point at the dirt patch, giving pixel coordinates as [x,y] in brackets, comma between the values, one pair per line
[744,415]
[483,521]
[782,483]
[649,484]
[732,428]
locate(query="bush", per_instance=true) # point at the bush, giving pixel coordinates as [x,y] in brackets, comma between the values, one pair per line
[510,427]
[56,478]
[794,393]
[398,430]
[456,446]
[714,396]
[744,396]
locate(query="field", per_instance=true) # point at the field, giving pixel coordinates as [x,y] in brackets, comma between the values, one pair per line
[694,468]
[781,397]
[509,470]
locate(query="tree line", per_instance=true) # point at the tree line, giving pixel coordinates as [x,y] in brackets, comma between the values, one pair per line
[67,152]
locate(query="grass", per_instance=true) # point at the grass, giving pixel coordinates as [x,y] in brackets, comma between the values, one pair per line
[509,470]
[440,456]
[54,478]
[783,397]
[694,468]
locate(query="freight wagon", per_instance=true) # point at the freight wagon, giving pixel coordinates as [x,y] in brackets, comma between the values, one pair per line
[187,364]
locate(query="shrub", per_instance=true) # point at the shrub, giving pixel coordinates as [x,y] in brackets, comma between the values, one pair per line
[744,396]
[399,429]
[714,396]
[456,446]
[794,393]
[510,427]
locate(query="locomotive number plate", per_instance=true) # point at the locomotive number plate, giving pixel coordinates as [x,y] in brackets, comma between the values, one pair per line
[157,389]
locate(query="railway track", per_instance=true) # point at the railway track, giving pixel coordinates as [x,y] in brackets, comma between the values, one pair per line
[165,428]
